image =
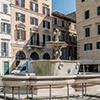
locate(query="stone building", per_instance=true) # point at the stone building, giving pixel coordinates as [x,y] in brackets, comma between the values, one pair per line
[5,37]
[31,28]
[88,29]
[67,25]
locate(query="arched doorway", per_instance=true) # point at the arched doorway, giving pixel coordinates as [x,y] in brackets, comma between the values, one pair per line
[20,55]
[34,56]
[46,56]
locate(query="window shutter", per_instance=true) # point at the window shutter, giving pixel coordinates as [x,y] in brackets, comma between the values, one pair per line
[30,20]
[16,16]
[23,3]
[37,39]
[49,37]
[43,24]
[1,27]
[43,40]
[36,21]
[16,34]
[90,46]
[23,18]
[48,12]
[16,2]
[31,6]
[24,35]
[43,10]
[36,7]
[7,49]
[8,28]
[48,25]
[2,48]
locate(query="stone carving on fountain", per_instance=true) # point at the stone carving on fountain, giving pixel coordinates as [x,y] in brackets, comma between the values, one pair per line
[56,44]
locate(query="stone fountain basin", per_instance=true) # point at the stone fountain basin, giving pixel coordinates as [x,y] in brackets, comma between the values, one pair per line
[44,82]
[16,81]
[55,67]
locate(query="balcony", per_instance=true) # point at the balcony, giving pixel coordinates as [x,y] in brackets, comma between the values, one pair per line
[35,44]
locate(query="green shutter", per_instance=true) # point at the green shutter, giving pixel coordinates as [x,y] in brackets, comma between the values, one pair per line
[6,67]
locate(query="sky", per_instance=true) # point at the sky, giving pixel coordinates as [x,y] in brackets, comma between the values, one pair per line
[64,6]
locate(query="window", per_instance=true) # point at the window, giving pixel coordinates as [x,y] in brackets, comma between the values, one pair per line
[98,29]
[46,38]
[87,14]
[55,21]
[98,45]
[62,36]
[46,11]
[88,46]
[63,23]
[4,49]
[20,17]
[5,28]
[87,32]
[46,24]
[5,8]
[64,54]
[82,0]
[34,21]
[34,6]
[20,34]
[98,10]
[20,3]
[35,39]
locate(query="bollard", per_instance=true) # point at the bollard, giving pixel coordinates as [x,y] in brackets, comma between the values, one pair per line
[4,93]
[18,92]
[82,90]
[67,91]
[50,92]
[85,89]
[27,91]
[13,93]
[32,92]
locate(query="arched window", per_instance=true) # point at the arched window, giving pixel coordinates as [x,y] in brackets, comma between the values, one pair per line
[46,56]
[34,56]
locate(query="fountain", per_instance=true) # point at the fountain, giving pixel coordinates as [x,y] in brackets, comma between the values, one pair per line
[47,72]
[56,67]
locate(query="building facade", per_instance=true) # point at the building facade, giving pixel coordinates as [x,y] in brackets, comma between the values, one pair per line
[88,28]
[31,28]
[5,37]
[67,26]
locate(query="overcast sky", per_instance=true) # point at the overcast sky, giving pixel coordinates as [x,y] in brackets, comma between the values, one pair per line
[64,6]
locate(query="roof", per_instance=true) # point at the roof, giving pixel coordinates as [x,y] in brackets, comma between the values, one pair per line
[63,16]
[72,15]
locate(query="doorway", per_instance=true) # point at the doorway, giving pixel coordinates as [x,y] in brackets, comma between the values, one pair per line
[6,68]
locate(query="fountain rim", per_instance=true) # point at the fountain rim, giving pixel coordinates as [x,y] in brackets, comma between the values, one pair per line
[57,60]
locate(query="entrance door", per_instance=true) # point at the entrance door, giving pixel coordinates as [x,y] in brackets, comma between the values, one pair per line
[6,68]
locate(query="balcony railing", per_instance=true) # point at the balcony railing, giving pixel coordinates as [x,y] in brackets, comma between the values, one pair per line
[36,44]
